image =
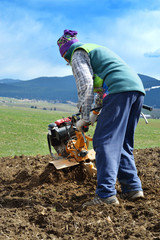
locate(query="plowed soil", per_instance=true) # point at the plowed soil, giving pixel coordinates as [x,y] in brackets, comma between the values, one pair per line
[38,202]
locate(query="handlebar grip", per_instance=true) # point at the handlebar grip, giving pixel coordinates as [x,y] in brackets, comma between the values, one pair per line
[147,107]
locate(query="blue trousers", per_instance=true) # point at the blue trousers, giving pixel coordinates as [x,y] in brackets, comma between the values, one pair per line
[113,142]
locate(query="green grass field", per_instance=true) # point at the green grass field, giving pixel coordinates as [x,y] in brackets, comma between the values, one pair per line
[23,131]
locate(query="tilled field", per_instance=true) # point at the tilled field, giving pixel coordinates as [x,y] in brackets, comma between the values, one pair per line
[37,202]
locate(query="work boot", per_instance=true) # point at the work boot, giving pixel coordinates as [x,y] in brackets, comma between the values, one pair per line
[98,201]
[132,196]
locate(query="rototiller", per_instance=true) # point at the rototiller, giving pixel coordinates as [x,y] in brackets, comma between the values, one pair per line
[70,145]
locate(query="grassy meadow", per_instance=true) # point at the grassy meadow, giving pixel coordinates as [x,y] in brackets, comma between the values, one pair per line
[23,130]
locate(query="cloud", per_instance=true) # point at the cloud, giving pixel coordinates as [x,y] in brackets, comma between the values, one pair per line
[154,54]
[29,31]
[27,44]
[132,36]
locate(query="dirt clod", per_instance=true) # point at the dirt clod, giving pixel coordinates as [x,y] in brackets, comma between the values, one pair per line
[39,202]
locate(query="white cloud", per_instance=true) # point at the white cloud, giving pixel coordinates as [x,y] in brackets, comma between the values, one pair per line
[28,40]
[132,36]
[154,54]
[26,46]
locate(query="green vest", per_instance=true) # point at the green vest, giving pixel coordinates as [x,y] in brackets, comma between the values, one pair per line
[110,68]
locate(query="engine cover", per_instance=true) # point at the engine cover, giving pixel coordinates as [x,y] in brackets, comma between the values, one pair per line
[59,133]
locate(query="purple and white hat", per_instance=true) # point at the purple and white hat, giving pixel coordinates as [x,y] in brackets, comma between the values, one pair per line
[67,39]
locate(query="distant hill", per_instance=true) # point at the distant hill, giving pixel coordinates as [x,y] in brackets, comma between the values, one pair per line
[9,80]
[149,81]
[152,88]
[43,88]
[63,89]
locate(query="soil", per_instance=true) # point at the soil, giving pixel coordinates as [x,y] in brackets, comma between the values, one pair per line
[38,202]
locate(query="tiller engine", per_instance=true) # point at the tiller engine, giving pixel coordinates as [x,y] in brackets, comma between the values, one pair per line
[71,145]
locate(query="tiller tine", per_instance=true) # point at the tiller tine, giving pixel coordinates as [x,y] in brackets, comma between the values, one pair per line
[61,163]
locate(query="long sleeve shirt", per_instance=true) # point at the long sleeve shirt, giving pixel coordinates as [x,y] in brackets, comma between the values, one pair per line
[83,73]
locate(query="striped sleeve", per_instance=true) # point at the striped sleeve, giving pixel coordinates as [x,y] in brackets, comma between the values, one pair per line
[83,74]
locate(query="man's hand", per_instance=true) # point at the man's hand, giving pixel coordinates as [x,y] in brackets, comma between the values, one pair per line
[80,124]
[93,117]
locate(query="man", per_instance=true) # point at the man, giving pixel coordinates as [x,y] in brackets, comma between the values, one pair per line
[94,67]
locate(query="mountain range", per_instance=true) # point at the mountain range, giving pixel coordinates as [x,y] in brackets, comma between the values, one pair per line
[63,89]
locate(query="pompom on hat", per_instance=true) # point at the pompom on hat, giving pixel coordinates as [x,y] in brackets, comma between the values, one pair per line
[68,38]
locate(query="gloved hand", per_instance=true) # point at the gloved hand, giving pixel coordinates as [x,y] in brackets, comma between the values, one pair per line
[93,117]
[80,124]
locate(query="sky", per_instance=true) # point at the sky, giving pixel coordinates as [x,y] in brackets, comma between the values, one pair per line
[29,30]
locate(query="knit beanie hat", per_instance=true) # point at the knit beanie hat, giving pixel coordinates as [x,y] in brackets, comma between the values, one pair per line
[67,39]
